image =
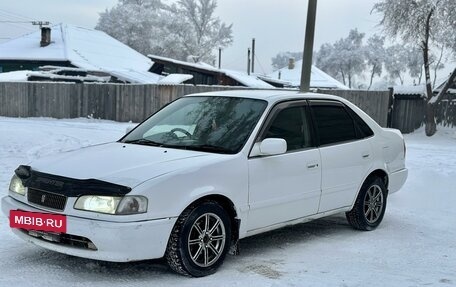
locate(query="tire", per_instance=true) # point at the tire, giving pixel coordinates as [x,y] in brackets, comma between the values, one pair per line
[197,247]
[370,205]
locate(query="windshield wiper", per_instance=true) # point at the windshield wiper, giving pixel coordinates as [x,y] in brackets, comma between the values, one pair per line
[210,148]
[144,142]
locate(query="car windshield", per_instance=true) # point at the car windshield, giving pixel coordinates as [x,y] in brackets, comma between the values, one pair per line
[211,124]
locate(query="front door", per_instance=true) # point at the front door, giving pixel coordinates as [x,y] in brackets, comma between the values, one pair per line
[286,186]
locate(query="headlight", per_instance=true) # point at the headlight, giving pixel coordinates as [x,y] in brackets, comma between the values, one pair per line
[132,205]
[112,204]
[16,185]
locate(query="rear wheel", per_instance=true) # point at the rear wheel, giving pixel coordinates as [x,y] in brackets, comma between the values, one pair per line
[370,205]
[200,240]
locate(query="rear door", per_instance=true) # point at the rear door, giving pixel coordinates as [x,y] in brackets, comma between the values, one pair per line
[345,153]
[286,186]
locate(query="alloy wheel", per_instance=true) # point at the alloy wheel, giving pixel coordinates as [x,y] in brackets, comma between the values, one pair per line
[206,240]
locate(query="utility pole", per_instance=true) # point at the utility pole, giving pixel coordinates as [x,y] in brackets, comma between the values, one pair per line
[308,46]
[220,58]
[253,55]
[40,23]
[248,61]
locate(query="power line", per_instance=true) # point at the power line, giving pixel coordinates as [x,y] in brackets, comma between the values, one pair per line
[14,20]
[18,26]
[15,15]
[259,63]
[4,21]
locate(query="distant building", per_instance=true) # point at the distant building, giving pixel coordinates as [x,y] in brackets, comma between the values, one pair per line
[318,78]
[88,50]
[205,74]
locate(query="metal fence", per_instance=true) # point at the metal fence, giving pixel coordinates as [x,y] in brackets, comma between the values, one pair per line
[120,102]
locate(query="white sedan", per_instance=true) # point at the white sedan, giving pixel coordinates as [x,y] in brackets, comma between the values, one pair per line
[205,171]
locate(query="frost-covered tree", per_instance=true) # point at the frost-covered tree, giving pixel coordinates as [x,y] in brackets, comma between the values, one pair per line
[350,56]
[375,56]
[327,59]
[282,58]
[182,29]
[345,59]
[396,62]
[425,23]
[415,63]
[199,31]
[436,62]
[137,23]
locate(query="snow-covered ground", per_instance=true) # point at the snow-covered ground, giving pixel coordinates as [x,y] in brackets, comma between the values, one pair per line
[415,245]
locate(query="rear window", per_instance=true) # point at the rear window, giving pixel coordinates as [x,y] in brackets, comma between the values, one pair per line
[333,123]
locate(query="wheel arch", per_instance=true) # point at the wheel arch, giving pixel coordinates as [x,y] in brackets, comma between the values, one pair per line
[383,175]
[228,205]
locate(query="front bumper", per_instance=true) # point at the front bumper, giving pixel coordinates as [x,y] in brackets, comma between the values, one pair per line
[115,241]
[397,180]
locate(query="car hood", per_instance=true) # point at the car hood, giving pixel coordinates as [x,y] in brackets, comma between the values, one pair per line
[119,163]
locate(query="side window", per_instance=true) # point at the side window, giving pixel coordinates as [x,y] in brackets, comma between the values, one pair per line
[333,123]
[291,125]
[363,129]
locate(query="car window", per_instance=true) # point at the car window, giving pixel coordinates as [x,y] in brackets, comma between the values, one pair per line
[203,123]
[291,125]
[363,130]
[333,123]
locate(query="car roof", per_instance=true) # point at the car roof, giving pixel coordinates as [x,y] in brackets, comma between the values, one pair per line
[272,96]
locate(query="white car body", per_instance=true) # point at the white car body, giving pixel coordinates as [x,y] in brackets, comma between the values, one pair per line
[266,192]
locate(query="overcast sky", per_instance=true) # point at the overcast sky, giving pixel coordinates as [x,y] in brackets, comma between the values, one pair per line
[276,25]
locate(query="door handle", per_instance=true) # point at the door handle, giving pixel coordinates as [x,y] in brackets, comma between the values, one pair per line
[366,155]
[312,165]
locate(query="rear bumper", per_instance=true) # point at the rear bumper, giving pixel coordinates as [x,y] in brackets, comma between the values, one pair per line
[114,241]
[397,180]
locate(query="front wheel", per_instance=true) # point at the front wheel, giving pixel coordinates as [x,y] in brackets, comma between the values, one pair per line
[199,240]
[370,205]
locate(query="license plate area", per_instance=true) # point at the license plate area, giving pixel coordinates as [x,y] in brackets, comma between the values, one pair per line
[36,221]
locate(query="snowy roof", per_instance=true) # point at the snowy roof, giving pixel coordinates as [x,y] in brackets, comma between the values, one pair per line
[451,89]
[16,76]
[251,81]
[85,48]
[275,81]
[175,79]
[419,90]
[134,76]
[56,77]
[318,78]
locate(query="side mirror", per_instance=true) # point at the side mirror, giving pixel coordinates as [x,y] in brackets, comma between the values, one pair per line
[129,129]
[273,146]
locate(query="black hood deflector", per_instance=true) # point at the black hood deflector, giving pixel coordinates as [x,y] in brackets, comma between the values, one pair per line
[68,186]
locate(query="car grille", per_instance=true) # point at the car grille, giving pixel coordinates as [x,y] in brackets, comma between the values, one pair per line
[46,199]
[62,238]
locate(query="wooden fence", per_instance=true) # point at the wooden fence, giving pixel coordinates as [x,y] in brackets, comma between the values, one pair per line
[408,112]
[446,111]
[124,103]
